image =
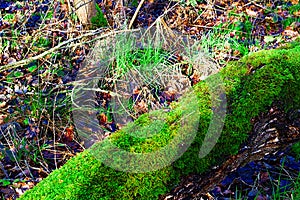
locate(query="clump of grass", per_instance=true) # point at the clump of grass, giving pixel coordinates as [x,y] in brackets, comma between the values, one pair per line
[296,150]
[99,20]
[139,70]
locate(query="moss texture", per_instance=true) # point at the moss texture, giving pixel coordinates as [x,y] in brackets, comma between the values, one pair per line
[251,85]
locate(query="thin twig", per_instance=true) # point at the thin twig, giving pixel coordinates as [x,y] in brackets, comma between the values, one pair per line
[54,132]
[26,163]
[11,147]
[136,13]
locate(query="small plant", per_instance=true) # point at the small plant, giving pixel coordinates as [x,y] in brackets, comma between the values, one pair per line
[296,150]
[139,67]
[296,188]
[43,42]
[99,20]
[134,3]
[189,2]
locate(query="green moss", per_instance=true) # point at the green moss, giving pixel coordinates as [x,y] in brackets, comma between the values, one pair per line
[251,85]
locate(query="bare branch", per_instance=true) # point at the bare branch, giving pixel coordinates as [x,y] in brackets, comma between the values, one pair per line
[27,61]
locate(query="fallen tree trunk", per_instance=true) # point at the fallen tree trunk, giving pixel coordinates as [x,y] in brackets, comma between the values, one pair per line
[251,84]
[272,131]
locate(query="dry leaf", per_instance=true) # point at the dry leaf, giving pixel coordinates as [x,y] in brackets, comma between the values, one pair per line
[69,134]
[102,118]
[297,13]
[2,117]
[290,33]
[294,2]
[251,13]
[141,107]
[2,104]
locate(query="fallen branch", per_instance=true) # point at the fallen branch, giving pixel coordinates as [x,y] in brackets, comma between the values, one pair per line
[272,131]
[27,61]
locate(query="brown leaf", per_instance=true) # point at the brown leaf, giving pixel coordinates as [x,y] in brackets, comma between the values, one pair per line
[64,7]
[141,107]
[294,2]
[2,117]
[102,119]
[251,13]
[195,78]
[2,104]
[69,133]
[297,13]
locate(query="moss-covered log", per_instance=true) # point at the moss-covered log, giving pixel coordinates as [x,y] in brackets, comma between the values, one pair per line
[251,85]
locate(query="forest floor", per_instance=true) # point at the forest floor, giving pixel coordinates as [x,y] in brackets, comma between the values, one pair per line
[43,47]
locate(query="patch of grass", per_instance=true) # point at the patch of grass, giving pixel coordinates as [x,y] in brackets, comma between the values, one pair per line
[142,68]
[296,189]
[219,43]
[294,8]
[296,150]
[43,42]
[289,21]
[99,20]
[144,60]
[190,2]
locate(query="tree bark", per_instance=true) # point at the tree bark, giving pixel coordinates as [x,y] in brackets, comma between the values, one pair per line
[85,10]
[272,131]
